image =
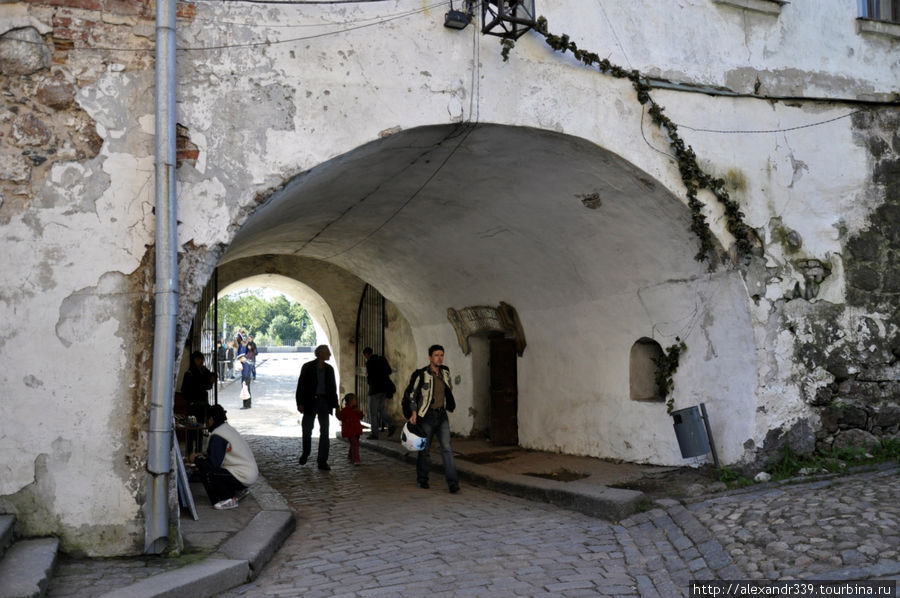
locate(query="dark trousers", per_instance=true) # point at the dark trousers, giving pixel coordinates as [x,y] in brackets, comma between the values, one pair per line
[309,420]
[218,483]
[435,423]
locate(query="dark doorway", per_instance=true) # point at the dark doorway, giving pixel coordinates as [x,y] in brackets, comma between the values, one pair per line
[504,392]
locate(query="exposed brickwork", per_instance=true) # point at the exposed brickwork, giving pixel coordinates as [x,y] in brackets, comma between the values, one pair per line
[185,149]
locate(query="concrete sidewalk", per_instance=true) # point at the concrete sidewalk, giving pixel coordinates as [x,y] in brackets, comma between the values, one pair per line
[596,487]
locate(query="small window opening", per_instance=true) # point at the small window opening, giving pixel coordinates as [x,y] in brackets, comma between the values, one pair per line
[643,370]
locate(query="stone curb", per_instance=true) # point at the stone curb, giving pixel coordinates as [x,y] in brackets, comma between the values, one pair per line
[608,503]
[208,578]
[239,560]
[259,541]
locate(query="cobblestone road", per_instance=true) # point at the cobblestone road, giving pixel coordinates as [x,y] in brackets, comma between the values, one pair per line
[370,531]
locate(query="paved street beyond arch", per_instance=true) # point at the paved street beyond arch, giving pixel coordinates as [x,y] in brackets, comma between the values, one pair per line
[369,530]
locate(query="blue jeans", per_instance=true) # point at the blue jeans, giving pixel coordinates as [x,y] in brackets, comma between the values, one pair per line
[309,420]
[378,415]
[435,423]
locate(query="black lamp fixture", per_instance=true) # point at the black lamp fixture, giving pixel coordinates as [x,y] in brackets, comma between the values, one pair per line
[458,19]
[509,19]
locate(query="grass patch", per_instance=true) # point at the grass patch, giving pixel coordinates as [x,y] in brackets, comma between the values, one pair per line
[734,479]
[789,464]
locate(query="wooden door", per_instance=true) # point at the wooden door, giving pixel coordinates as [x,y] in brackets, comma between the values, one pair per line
[504,393]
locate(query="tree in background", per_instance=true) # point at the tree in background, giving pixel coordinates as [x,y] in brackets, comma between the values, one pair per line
[273,319]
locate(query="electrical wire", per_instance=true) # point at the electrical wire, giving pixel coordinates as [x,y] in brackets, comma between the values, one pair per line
[615,35]
[380,21]
[314,36]
[259,25]
[750,131]
[297,2]
[469,128]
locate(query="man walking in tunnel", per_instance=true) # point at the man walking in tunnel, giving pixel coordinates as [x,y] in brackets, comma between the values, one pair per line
[426,402]
[378,375]
[316,397]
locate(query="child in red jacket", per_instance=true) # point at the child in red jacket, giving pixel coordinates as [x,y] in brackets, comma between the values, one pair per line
[351,425]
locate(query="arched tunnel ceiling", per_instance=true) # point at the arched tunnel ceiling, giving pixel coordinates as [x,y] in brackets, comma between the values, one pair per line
[451,216]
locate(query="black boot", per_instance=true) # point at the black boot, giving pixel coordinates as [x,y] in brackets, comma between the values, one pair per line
[246,404]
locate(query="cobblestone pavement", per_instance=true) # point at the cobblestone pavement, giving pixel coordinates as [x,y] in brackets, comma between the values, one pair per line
[370,531]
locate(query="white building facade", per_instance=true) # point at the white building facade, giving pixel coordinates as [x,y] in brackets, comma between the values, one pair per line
[326,147]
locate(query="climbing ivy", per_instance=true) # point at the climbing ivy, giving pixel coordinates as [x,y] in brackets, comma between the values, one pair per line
[692,175]
[666,366]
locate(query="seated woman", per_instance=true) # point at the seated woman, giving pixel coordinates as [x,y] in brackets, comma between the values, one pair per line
[228,467]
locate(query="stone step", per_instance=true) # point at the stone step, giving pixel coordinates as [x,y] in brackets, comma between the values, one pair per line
[26,568]
[7,524]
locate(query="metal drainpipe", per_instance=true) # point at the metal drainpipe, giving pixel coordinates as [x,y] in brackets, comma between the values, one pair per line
[166,297]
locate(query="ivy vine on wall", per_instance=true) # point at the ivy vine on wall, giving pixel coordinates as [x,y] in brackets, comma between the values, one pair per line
[666,366]
[692,175]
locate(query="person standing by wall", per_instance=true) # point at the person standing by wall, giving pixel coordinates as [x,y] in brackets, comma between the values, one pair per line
[426,402]
[229,358]
[378,376]
[316,397]
[195,385]
[252,352]
[221,360]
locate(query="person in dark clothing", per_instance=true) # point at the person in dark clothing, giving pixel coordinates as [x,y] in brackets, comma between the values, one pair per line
[246,377]
[316,398]
[196,382]
[378,375]
[221,360]
[228,468]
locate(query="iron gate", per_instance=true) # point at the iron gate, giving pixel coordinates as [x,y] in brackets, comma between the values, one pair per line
[204,327]
[369,333]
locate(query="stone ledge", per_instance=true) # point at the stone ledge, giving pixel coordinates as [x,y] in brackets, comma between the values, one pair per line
[26,569]
[885,28]
[769,7]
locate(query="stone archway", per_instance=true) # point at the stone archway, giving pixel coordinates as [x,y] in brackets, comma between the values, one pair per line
[592,251]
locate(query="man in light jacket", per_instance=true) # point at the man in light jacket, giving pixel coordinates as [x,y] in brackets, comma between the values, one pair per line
[426,402]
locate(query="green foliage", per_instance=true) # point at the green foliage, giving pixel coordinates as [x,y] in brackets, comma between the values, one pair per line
[666,366]
[788,464]
[734,479]
[645,505]
[694,178]
[265,319]
[281,327]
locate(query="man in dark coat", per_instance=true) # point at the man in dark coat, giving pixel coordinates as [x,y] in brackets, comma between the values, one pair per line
[378,375]
[195,386]
[316,397]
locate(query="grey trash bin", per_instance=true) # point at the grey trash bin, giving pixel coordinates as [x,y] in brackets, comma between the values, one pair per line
[690,432]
